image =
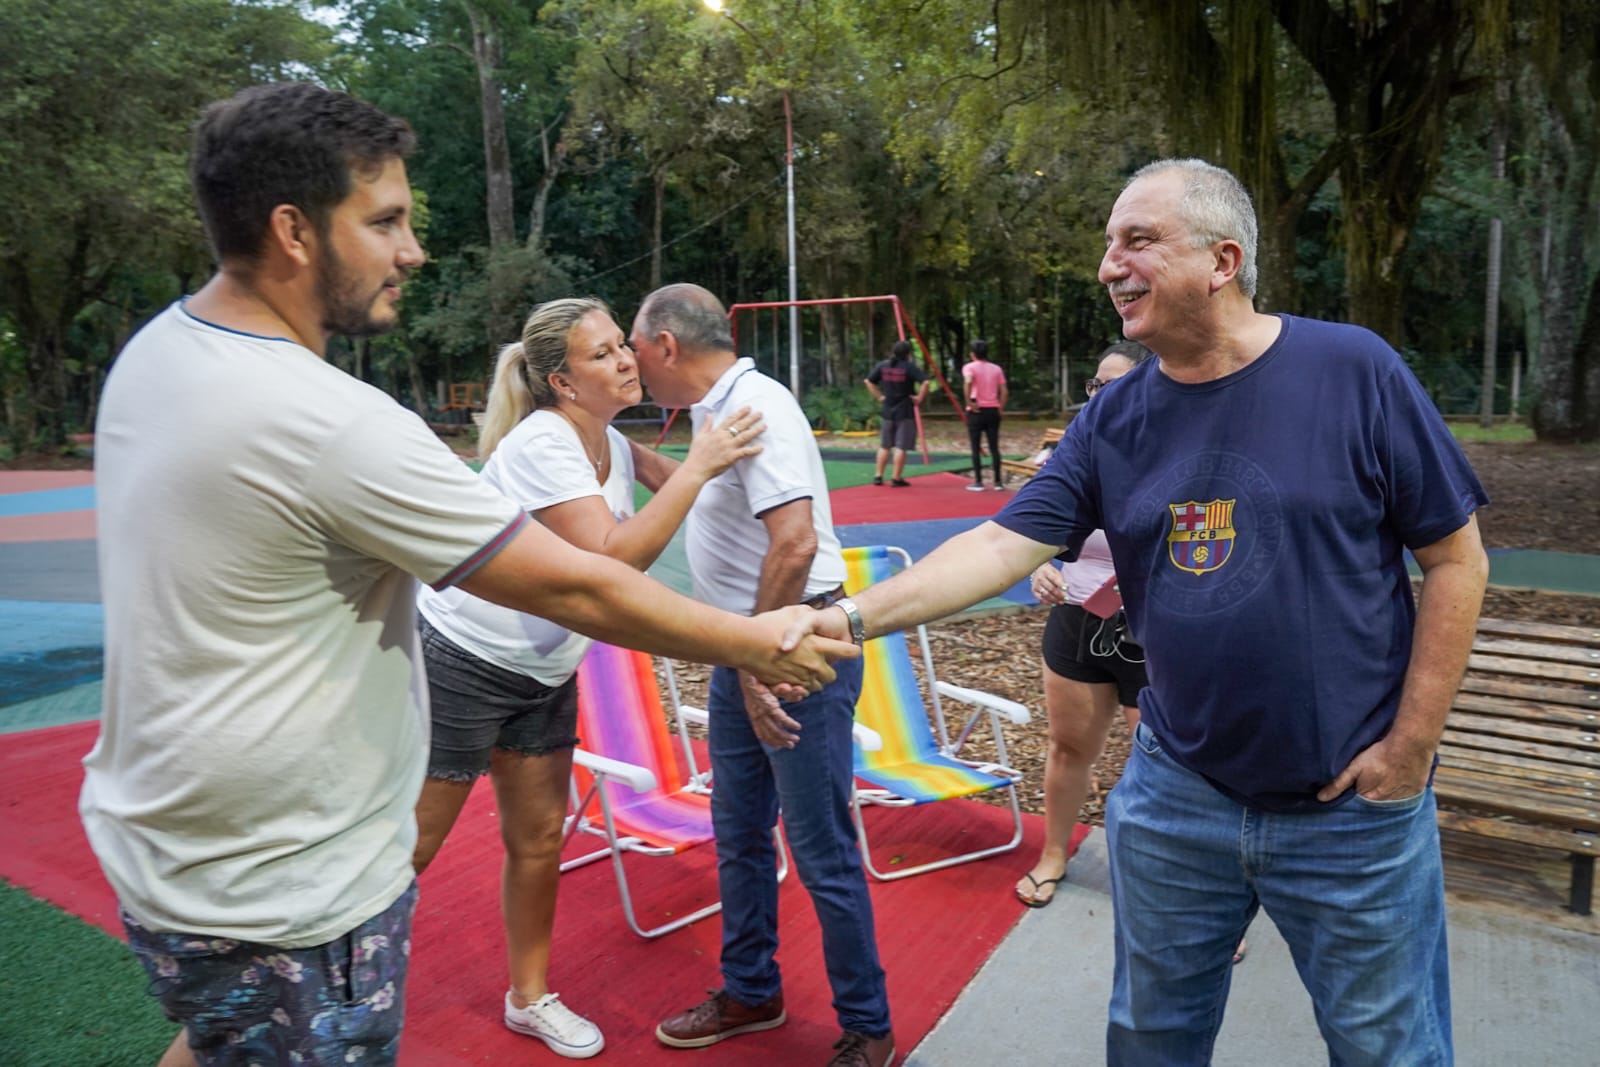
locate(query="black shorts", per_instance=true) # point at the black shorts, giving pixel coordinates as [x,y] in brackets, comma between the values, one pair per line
[478,707]
[1087,648]
[898,433]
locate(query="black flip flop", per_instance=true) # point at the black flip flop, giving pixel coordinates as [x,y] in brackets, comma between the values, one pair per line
[1038,885]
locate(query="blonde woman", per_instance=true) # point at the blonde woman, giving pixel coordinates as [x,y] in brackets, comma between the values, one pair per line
[502,684]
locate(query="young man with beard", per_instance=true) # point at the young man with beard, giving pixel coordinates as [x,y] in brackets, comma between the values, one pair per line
[263,518]
[1259,484]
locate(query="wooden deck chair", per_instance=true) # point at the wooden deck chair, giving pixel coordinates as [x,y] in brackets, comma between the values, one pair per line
[911,767]
[649,803]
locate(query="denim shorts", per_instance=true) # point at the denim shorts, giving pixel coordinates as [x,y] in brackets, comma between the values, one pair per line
[246,1003]
[1087,648]
[478,707]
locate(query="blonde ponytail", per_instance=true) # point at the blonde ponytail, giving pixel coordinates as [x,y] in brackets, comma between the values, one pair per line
[509,400]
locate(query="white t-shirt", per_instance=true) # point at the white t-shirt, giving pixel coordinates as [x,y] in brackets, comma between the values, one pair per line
[726,540]
[261,517]
[539,464]
[1090,570]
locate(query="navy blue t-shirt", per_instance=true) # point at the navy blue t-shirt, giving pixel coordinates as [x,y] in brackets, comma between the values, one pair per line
[1258,523]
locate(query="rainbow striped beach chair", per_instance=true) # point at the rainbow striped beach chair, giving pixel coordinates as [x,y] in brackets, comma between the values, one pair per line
[650,803]
[911,767]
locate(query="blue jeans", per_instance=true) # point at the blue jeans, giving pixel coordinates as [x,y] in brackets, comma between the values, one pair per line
[811,783]
[1356,890]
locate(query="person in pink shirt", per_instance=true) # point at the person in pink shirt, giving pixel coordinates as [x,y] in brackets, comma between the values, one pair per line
[985,386]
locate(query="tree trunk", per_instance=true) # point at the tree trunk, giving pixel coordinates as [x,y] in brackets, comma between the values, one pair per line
[42,423]
[1379,205]
[1390,86]
[553,161]
[660,178]
[1567,407]
[496,149]
[1491,294]
[419,396]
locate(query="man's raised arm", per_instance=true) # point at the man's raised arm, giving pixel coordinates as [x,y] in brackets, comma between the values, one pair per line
[970,567]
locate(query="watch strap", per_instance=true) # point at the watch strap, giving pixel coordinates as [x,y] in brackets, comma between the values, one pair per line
[858,628]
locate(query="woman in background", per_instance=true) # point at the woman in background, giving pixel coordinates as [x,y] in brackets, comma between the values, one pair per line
[985,386]
[1091,668]
[502,684]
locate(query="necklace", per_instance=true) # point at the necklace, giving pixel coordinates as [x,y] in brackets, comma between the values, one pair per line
[589,453]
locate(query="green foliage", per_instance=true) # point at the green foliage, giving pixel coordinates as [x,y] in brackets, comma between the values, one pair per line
[841,408]
[96,104]
[960,153]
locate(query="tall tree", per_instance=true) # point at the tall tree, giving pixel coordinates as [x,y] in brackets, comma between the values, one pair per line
[626,100]
[96,104]
[1558,241]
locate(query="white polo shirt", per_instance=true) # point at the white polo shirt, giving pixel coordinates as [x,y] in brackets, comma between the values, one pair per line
[726,539]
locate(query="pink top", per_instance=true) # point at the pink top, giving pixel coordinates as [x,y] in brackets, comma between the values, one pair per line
[985,378]
[1090,570]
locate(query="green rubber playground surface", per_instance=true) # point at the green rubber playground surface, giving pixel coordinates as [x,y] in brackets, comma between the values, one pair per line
[74,995]
[1549,572]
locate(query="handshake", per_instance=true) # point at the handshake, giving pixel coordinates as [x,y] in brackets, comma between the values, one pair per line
[792,648]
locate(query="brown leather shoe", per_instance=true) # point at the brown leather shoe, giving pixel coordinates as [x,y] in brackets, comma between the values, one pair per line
[717,1018]
[859,1050]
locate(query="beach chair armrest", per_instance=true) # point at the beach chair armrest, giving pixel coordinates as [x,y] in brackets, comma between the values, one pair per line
[635,777]
[693,716]
[1010,709]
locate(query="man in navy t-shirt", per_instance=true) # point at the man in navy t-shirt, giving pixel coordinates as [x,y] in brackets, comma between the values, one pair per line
[1259,484]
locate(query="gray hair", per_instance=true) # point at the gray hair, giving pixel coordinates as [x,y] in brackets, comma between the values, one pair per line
[691,314]
[1132,351]
[1216,207]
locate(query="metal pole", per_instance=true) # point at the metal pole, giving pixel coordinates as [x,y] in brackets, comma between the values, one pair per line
[794,283]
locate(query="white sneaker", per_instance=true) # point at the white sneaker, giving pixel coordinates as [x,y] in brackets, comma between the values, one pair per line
[975,487]
[564,1030]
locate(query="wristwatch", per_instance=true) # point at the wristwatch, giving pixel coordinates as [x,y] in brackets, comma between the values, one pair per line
[858,629]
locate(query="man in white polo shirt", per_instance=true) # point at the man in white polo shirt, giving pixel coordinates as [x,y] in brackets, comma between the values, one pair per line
[760,536]
[263,519]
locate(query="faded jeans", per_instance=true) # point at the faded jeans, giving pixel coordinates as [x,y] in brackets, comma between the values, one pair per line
[811,783]
[1357,891]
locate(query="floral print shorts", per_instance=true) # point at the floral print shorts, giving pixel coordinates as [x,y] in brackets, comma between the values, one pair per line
[247,1004]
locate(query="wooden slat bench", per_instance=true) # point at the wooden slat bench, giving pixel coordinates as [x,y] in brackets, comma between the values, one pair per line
[1520,757]
[1024,468]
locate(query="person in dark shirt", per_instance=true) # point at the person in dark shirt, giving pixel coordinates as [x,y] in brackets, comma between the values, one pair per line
[1259,483]
[899,385]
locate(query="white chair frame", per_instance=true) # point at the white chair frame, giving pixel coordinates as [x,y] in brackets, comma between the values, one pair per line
[994,709]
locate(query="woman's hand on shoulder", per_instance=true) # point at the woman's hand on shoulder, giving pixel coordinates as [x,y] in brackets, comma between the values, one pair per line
[718,447]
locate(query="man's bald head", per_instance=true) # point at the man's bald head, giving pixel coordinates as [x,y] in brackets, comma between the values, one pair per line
[692,314]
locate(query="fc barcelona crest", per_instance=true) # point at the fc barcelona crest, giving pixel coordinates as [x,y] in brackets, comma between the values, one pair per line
[1202,535]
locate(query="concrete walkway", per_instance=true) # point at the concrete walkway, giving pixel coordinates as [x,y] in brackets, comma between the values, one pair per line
[1524,990]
